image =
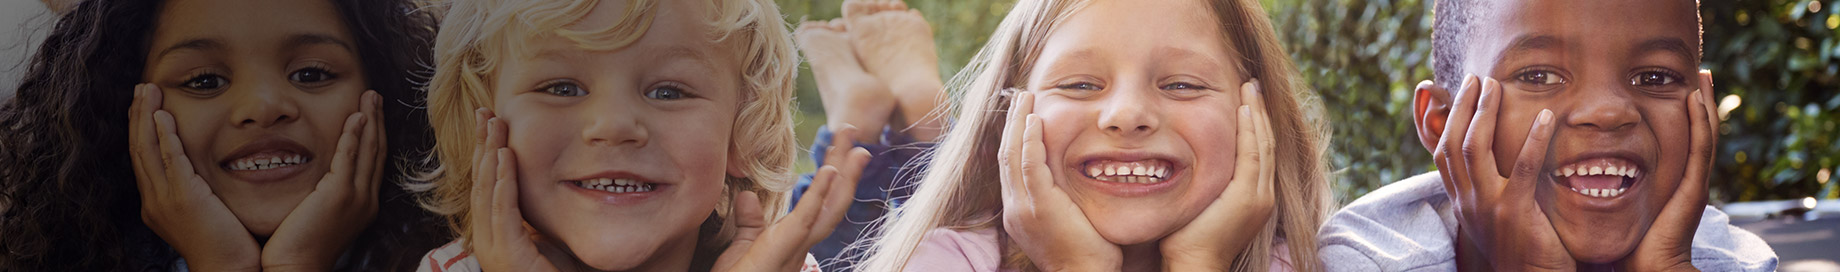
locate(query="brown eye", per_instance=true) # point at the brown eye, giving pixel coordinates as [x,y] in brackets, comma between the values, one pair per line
[205,82]
[1540,77]
[1653,79]
[311,76]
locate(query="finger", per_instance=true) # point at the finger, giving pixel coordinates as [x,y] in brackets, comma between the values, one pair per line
[1246,165]
[1703,133]
[345,153]
[140,139]
[1455,129]
[172,151]
[365,168]
[485,173]
[1479,144]
[1532,158]
[1009,151]
[749,223]
[1267,159]
[1036,177]
[509,221]
[842,195]
[496,132]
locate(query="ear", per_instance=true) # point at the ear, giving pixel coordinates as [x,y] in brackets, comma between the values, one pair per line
[737,162]
[1430,108]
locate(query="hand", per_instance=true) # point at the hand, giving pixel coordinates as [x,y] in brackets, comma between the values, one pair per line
[175,201]
[341,205]
[1668,246]
[782,246]
[1228,226]
[1045,223]
[501,238]
[1498,214]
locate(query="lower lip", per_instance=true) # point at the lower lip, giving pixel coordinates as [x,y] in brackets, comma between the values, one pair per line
[612,198]
[270,175]
[1133,189]
[1590,203]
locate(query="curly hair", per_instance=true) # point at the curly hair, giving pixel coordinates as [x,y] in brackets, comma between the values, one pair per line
[67,195]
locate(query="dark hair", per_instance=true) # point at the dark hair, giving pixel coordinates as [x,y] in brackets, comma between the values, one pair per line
[67,195]
[1449,27]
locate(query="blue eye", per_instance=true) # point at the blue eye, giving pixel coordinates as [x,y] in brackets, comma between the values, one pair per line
[205,82]
[564,88]
[1182,86]
[666,93]
[1653,78]
[1079,86]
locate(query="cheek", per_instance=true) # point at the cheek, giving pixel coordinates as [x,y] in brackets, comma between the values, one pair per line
[538,140]
[197,122]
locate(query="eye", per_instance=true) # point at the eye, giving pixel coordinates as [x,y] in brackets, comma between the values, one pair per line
[312,76]
[1082,86]
[1654,78]
[206,81]
[1182,86]
[667,92]
[1540,77]
[563,88]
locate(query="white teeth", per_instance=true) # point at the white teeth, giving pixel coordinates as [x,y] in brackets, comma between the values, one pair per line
[1110,172]
[246,164]
[1601,192]
[616,185]
[1568,172]
[1094,171]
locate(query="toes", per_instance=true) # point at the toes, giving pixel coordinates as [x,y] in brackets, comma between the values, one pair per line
[894,5]
[839,25]
[858,8]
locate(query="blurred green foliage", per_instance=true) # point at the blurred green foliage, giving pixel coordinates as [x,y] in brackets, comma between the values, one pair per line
[1779,58]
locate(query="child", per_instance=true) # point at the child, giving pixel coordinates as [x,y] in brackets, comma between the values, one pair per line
[840,52]
[1120,151]
[1611,175]
[585,135]
[217,136]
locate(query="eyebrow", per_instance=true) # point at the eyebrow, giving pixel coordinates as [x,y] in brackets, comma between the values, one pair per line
[294,42]
[308,39]
[201,44]
[1531,43]
[1670,45]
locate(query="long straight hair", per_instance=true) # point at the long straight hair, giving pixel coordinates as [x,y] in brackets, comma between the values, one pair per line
[960,188]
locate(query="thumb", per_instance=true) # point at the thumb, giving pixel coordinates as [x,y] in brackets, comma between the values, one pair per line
[748,224]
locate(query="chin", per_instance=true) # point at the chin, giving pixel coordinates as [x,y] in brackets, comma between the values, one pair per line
[615,253]
[1605,243]
[1133,228]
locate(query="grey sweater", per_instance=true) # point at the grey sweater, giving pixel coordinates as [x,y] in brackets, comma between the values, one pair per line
[1410,226]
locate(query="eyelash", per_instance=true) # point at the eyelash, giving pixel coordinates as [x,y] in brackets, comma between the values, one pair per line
[198,80]
[680,91]
[1082,86]
[552,88]
[1186,86]
[326,75]
[1526,76]
[1667,77]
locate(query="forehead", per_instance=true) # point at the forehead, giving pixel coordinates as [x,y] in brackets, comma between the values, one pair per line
[240,20]
[676,30]
[1116,30]
[1615,25]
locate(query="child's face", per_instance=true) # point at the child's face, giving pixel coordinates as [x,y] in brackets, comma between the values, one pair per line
[256,81]
[1139,86]
[657,113]
[1616,75]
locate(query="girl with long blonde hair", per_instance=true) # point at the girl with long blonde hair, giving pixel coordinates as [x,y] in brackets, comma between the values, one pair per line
[1120,135]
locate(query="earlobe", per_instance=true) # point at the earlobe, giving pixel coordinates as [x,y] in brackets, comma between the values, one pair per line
[1430,108]
[736,163]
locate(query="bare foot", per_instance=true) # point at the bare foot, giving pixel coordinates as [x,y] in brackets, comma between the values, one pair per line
[896,45]
[850,95]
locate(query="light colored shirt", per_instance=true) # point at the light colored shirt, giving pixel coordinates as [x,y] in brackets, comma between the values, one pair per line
[978,251]
[1410,226]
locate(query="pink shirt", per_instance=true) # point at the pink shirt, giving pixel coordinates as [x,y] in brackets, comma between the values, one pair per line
[977,250]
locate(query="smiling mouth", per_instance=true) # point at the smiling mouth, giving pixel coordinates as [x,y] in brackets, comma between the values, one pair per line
[1599,177]
[617,186]
[266,160]
[1144,171]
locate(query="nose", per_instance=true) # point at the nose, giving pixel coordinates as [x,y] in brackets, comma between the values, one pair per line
[262,103]
[1604,107]
[1130,113]
[614,120]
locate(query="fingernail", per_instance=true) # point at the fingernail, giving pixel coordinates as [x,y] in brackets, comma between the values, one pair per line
[1245,110]
[1545,117]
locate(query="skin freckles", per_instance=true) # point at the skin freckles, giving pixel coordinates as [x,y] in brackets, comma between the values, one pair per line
[287,71]
[1616,92]
[1170,97]
[659,111]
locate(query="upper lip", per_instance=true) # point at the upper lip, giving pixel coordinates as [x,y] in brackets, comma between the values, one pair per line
[1080,162]
[615,174]
[264,144]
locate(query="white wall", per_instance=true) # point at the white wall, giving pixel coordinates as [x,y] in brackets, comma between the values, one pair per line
[23,25]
